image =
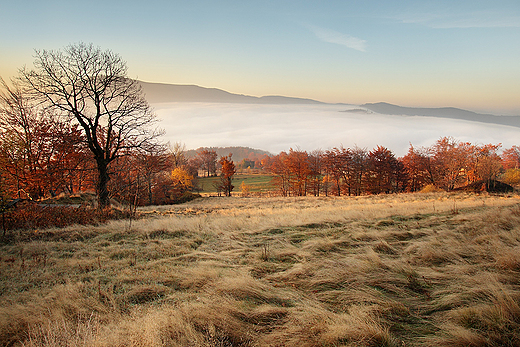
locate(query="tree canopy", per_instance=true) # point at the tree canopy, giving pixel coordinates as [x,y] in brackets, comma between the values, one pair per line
[90,86]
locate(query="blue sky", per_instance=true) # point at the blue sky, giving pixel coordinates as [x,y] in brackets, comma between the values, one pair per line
[413,53]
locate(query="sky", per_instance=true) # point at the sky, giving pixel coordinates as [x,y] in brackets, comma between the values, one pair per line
[460,53]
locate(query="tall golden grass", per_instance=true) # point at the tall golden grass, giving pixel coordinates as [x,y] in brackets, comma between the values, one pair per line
[431,269]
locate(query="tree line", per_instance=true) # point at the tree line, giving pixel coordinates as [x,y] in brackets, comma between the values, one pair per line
[448,164]
[43,156]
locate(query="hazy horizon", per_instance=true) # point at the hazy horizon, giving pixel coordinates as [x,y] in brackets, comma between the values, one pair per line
[418,54]
[277,128]
[191,92]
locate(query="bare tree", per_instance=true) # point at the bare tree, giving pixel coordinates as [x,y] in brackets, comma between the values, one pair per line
[177,155]
[91,87]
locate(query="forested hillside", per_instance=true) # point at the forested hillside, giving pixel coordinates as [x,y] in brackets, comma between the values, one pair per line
[239,153]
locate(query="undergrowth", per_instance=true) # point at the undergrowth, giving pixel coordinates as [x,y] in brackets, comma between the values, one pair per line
[31,215]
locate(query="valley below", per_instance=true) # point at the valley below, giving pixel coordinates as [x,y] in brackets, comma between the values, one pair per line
[277,128]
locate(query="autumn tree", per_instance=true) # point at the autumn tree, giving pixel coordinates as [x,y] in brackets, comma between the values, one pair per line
[277,166]
[297,163]
[345,156]
[450,162]
[511,177]
[41,154]
[383,171]
[170,186]
[511,165]
[417,164]
[245,189]
[149,164]
[227,171]
[20,146]
[182,180]
[486,164]
[326,184]
[126,182]
[346,167]
[208,161]
[511,158]
[90,87]
[358,168]
[334,166]
[315,160]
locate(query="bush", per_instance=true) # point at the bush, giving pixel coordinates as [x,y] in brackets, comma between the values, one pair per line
[30,215]
[430,188]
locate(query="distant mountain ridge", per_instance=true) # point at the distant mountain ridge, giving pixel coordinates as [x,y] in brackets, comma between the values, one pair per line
[443,112]
[164,93]
[161,92]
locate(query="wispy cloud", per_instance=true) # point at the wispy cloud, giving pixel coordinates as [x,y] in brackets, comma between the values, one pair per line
[332,36]
[477,19]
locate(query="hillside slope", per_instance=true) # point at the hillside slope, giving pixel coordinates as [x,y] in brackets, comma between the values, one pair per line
[239,153]
[160,92]
[169,93]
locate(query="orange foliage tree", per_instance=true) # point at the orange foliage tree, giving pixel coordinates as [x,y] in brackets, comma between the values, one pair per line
[333,167]
[347,168]
[511,165]
[511,158]
[299,171]
[316,167]
[227,171]
[451,162]
[276,166]
[384,171]
[41,155]
[170,187]
[486,163]
[417,164]
[359,167]
[292,172]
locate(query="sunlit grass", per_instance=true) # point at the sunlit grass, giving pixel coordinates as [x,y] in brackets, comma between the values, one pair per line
[413,270]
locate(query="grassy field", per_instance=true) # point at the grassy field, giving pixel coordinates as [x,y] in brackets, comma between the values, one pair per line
[255,182]
[397,270]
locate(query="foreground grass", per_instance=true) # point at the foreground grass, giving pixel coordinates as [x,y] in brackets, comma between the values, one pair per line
[398,270]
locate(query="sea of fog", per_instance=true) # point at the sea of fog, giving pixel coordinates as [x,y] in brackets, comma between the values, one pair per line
[277,128]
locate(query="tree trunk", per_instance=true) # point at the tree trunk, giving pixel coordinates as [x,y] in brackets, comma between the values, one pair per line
[150,196]
[102,189]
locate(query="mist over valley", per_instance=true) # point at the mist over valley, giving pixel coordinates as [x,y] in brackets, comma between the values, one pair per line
[206,117]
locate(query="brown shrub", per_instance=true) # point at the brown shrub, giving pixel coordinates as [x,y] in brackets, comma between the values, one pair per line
[30,215]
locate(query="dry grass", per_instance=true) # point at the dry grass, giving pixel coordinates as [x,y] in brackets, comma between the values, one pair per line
[399,270]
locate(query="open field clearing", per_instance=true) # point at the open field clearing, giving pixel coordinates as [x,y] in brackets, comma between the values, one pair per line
[255,183]
[392,270]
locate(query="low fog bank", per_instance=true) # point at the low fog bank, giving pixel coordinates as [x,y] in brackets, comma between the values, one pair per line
[276,128]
